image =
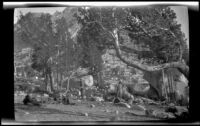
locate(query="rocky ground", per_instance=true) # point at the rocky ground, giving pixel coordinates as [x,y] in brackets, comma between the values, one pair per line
[85,110]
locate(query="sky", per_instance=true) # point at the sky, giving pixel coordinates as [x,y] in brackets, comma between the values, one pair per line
[183,19]
[181,13]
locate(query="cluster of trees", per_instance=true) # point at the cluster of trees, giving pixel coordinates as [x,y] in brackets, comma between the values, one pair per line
[53,48]
[22,62]
[146,38]
[154,28]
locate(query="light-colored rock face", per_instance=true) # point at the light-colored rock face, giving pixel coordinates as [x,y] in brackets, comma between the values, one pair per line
[87,80]
[182,90]
[180,85]
[112,87]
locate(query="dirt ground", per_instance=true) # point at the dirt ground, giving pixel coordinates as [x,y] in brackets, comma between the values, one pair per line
[80,111]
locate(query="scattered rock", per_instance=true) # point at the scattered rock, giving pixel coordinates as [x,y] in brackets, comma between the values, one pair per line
[86,114]
[140,107]
[159,114]
[79,93]
[27,113]
[46,95]
[171,116]
[149,101]
[36,103]
[92,105]
[108,98]
[122,104]
[127,105]
[182,115]
[107,110]
[178,111]
[181,108]
[138,101]
[99,99]
[136,113]
[171,104]
[162,115]
[130,101]
[149,112]
[115,118]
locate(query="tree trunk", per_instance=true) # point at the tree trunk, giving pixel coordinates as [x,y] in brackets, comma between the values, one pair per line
[148,70]
[68,80]
[25,74]
[50,79]
[170,89]
[53,75]
[151,71]
[183,68]
[154,81]
[60,80]
[99,79]
[51,83]
[22,71]
[82,88]
[46,81]
[57,80]
[164,84]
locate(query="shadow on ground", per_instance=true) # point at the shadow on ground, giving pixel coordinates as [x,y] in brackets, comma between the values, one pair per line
[43,110]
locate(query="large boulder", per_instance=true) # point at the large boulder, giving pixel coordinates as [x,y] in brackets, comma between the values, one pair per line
[182,91]
[159,84]
[87,80]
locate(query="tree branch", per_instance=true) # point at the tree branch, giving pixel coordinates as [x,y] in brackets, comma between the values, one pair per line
[183,68]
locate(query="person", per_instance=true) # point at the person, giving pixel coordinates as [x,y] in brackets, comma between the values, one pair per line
[65,99]
[30,100]
[27,99]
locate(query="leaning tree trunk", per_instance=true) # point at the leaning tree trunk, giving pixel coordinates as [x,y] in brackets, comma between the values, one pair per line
[99,79]
[149,70]
[57,80]
[50,79]
[183,68]
[152,73]
[60,80]
[51,82]
[68,81]
[45,80]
